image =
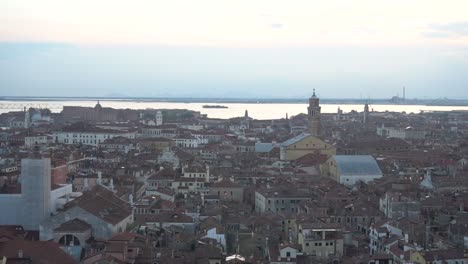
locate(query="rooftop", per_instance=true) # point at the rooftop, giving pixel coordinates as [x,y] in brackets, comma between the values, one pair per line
[357,165]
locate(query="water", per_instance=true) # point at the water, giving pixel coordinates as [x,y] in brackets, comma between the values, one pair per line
[256,110]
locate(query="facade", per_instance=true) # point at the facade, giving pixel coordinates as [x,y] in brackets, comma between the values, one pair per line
[196,171]
[279,200]
[408,133]
[314,115]
[165,131]
[227,190]
[99,207]
[88,135]
[396,206]
[304,144]
[320,240]
[120,144]
[98,114]
[155,143]
[382,237]
[189,141]
[350,169]
[33,204]
[35,140]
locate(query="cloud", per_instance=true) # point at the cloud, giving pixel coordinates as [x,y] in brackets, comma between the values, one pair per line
[277,25]
[449,30]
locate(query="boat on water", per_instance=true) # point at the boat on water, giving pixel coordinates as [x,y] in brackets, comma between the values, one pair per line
[215,106]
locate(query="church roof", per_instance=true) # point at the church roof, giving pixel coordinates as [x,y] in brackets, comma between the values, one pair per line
[357,165]
[295,139]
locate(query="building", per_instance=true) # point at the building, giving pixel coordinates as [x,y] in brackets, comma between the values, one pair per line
[304,144]
[449,256]
[165,131]
[408,133]
[395,205]
[351,169]
[33,204]
[196,171]
[313,115]
[120,144]
[227,190]
[31,141]
[98,114]
[100,207]
[322,240]
[281,199]
[82,133]
[155,143]
[370,146]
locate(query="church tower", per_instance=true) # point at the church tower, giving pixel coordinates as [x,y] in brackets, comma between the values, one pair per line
[366,113]
[314,115]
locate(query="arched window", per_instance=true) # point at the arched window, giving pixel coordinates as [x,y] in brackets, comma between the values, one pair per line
[68,239]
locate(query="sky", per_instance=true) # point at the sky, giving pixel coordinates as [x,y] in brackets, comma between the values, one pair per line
[234,48]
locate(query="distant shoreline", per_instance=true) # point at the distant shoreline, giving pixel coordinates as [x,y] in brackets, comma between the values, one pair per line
[429,102]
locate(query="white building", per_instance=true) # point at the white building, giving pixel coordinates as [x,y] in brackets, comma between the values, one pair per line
[89,135]
[165,131]
[220,238]
[35,140]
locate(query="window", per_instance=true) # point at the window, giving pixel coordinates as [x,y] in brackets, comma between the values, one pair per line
[288,254]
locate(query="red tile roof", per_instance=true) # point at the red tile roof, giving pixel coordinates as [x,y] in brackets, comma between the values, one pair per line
[39,252]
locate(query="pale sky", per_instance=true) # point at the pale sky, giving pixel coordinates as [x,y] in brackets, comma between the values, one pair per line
[251,48]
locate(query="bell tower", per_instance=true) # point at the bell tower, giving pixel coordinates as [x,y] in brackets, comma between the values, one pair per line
[314,115]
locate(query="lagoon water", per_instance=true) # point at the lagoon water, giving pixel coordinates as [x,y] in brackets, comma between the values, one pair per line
[256,110]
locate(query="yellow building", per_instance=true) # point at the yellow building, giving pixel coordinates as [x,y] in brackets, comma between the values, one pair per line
[304,144]
[438,256]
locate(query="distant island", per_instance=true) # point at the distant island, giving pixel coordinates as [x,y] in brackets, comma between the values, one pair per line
[215,106]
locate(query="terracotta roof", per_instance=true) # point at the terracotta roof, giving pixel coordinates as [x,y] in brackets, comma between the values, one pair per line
[165,173]
[311,159]
[38,251]
[443,254]
[164,217]
[103,203]
[225,183]
[124,236]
